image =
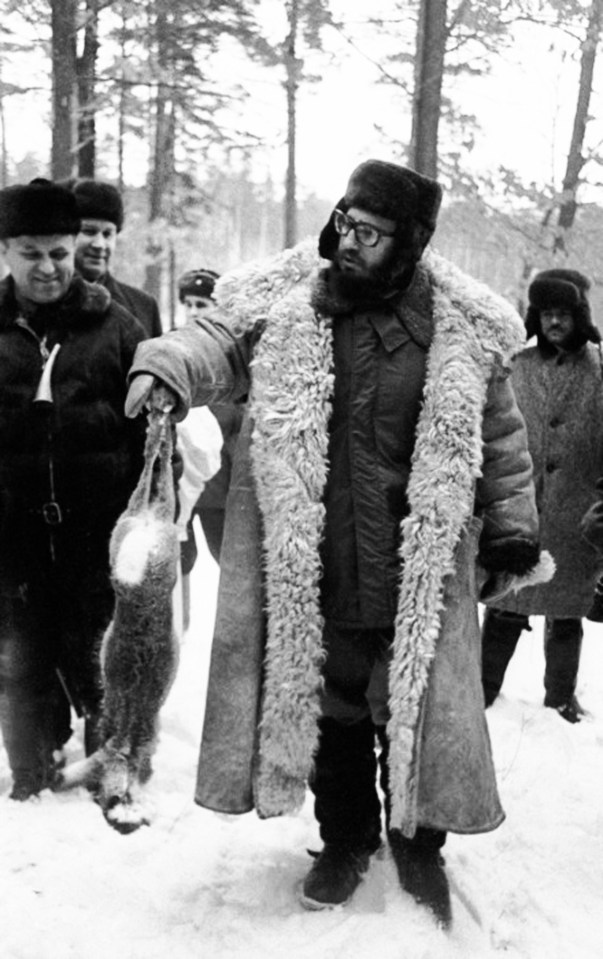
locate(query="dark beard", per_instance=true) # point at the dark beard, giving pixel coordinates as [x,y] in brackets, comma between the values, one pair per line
[376,285]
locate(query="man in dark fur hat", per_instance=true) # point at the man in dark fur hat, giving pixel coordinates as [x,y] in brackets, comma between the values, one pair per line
[381,434]
[559,388]
[69,460]
[102,216]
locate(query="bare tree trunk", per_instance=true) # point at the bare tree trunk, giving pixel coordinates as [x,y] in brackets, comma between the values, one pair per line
[63,88]
[160,177]
[4,153]
[162,166]
[121,109]
[86,86]
[575,159]
[172,284]
[293,68]
[429,72]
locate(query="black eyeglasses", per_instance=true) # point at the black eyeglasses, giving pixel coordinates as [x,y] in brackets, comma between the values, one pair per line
[365,233]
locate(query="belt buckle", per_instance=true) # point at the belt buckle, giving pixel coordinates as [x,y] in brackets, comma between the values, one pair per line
[51,513]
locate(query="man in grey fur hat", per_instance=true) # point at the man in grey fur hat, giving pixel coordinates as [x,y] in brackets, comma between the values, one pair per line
[559,388]
[381,436]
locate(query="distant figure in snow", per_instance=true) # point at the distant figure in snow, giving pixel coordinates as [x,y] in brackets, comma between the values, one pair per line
[559,387]
[381,451]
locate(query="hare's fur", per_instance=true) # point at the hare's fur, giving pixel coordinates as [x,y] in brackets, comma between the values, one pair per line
[139,652]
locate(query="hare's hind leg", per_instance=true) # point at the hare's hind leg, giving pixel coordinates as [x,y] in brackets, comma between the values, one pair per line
[122,799]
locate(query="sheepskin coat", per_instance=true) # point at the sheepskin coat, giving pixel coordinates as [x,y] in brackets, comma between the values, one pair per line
[561,398]
[260,726]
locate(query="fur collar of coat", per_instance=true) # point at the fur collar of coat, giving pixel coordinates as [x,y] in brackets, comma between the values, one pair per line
[83,302]
[474,331]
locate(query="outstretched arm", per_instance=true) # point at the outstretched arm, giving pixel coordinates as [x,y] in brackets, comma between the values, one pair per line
[199,364]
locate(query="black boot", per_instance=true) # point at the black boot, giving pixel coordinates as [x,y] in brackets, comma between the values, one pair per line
[420,867]
[334,877]
[571,711]
[348,811]
[418,861]
[500,634]
[28,738]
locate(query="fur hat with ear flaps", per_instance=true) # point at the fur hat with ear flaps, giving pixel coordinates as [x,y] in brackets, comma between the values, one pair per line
[561,289]
[39,208]
[397,193]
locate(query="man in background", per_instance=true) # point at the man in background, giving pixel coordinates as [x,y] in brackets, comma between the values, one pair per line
[195,291]
[559,387]
[101,212]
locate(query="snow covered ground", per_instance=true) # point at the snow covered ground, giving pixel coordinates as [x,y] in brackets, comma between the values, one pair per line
[196,885]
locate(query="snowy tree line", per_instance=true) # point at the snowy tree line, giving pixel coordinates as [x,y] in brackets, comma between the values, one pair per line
[117,77]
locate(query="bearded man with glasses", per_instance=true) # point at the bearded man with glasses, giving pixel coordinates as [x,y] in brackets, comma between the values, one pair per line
[381,451]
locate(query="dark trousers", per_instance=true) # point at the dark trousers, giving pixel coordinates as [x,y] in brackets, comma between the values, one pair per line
[562,645]
[344,780]
[54,610]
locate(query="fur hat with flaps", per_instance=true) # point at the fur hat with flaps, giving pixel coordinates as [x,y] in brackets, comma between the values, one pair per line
[99,201]
[561,289]
[39,208]
[397,193]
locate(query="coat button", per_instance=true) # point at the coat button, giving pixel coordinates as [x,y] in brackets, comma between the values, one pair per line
[555,422]
[550,467]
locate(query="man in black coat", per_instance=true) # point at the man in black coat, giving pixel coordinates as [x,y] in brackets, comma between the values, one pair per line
[69,460]
[102,215]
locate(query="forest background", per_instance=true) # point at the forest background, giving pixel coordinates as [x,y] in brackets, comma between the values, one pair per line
[231,126]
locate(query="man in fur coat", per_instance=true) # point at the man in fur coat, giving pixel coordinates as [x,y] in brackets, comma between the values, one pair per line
[559,388]
[381,436]
[69,460]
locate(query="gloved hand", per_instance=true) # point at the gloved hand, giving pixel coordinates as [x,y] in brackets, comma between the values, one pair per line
[493,584]
[591,524]
[516,556]
[147,391]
